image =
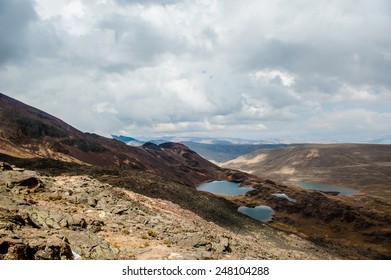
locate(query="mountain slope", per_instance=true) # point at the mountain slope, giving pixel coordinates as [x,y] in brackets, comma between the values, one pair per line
[27,132]
[365,167]
[222,152]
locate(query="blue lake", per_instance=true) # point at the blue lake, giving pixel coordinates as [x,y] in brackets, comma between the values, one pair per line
[262,213]
[324,187]
[224,188]
[282,195]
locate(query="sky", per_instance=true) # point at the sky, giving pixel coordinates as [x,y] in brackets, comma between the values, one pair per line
[303,71]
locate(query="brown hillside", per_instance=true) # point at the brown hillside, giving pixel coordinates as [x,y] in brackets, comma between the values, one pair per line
[27,132]
[365,167]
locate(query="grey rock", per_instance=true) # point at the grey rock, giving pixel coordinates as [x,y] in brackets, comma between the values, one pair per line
[90,246]
[54,247]
[119,210]
[92,201]
[223,245]
[193,240]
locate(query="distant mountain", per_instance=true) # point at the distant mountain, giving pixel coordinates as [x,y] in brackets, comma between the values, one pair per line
[381,140]
[214,149]
[26,132]
[202,140]
[128,140]
[227,151]
[365,167]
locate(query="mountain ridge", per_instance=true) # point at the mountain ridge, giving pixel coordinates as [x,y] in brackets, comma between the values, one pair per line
[29,132]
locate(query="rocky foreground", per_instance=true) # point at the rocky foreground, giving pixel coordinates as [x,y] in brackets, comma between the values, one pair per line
[79,217]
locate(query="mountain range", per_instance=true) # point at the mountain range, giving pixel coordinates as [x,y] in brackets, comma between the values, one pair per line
[212,149]
[66,194]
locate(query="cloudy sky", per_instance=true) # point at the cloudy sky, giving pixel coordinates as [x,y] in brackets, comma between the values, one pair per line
[281,69]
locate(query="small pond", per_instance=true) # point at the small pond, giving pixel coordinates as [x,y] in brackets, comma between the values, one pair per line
[324,187]
[262,213]
[282,195]
[224,188]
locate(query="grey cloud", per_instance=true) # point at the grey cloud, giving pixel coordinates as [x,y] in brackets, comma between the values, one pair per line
[140,43]
[15,17]
[143,2]
[193,65]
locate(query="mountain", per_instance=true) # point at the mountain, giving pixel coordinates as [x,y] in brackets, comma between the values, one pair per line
[381,140]
[207,140]
[128,140]
[222,152]
[27,132]
[365,167]
[64,192]
[213,149]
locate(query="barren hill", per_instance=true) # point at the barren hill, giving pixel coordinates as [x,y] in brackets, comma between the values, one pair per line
[27,132]
[365,167]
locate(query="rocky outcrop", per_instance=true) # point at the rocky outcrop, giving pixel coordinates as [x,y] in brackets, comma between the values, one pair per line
[73,217]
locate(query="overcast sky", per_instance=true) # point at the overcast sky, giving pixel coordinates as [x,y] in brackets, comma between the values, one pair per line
[281,69]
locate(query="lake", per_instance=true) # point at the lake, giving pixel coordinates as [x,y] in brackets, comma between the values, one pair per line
[261,213]
[324,187]
[224,188]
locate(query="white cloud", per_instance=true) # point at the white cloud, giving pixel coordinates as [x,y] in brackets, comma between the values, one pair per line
[286,78]
[104,108]
[260,69]
[352,120]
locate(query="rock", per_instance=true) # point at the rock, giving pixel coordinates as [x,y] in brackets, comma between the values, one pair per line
[90,246]
[53,247]
[11,249]
[92,201]
[4,166]
[42,219]
[95,226]
[27,186]
[9,219]
[193,240]
[223,245]
[119,210]
[78,198]
[76,222]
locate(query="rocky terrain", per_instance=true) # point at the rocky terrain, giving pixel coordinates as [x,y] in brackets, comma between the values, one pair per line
[79,217]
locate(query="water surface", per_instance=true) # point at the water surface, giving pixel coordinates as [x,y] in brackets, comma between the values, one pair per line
[261,213]
[224,188]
